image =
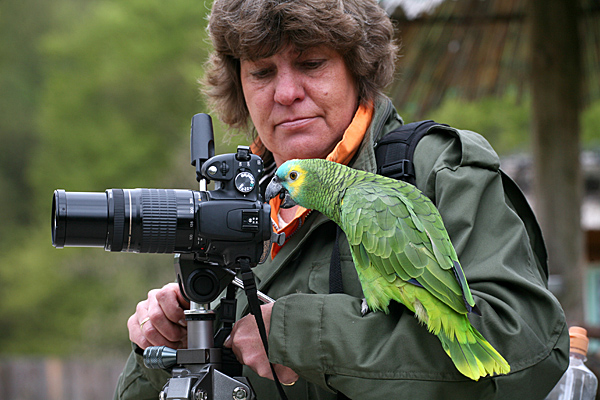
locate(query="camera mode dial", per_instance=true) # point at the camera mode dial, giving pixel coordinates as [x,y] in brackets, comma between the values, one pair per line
[244,182]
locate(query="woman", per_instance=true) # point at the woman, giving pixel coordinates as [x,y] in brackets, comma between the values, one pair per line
[307,76]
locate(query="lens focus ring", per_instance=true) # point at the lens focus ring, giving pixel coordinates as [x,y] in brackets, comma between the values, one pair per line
[159,221]
[119,220]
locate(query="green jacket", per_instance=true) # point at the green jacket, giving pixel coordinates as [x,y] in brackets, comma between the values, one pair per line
[325,340]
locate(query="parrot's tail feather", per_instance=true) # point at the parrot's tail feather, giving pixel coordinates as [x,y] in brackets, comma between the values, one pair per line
[476,357]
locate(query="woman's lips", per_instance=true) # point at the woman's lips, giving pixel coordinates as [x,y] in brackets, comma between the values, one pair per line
[296,122]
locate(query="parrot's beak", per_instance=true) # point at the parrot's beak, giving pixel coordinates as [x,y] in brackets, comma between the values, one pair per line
[276,189]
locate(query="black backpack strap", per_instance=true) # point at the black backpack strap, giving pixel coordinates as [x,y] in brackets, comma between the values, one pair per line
[335,279]
[335,268]
[395,151]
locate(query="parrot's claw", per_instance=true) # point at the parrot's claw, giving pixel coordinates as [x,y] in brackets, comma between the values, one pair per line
[364,307]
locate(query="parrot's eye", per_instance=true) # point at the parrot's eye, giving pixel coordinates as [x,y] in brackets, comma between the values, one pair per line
[293,175]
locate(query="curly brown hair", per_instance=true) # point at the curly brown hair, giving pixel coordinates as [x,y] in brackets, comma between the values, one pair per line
[359,30]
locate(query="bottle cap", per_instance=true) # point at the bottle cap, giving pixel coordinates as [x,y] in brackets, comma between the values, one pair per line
[579,340]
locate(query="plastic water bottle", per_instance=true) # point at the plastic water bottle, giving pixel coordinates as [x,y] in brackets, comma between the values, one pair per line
[578,382]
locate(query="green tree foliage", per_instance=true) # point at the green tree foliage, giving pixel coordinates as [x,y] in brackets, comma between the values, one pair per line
[108,103]
[22,22]
[590,123]
[504,121]
[120,92]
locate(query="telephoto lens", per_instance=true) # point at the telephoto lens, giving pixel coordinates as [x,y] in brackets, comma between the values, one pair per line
[128,220]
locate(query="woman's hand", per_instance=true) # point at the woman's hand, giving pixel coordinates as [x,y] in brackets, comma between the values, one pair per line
[160,320]
[248,347]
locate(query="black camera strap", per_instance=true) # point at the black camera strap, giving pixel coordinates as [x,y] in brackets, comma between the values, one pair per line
[252,294]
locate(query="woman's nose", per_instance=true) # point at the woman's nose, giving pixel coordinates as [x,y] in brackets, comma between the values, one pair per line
[288,88]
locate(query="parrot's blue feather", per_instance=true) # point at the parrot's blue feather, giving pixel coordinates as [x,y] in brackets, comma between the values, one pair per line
[460,277]
[414,282]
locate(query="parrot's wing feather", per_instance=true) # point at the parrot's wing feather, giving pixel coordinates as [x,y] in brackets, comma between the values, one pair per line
[402,236]
[441,246]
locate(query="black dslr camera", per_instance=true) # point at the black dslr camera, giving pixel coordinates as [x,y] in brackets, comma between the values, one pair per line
[218,226]
[213,234]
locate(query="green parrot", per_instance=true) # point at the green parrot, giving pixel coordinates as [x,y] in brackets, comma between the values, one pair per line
[401,251]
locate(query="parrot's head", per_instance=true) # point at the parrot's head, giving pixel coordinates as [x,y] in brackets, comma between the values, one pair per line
[296,182]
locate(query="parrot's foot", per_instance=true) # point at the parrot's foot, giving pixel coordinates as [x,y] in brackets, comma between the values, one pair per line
[364,307]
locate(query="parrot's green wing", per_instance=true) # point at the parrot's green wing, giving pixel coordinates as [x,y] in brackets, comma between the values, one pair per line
[394,228]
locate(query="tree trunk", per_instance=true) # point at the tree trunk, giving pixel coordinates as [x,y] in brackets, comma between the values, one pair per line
[556,96]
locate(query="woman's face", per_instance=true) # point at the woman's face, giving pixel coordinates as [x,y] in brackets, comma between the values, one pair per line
[300,102]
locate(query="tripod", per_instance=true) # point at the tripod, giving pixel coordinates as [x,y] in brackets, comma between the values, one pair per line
[205,370]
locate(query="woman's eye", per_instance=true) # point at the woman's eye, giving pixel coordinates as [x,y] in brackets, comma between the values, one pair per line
[261,73]
[313,64]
